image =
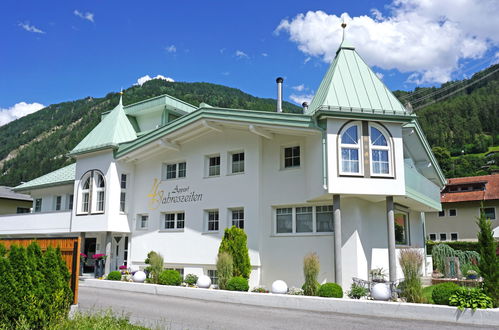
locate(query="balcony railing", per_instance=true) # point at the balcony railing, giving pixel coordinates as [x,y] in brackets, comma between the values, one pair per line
[35,223]
[420,188]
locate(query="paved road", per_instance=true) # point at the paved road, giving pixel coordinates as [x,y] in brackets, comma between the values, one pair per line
[174,313]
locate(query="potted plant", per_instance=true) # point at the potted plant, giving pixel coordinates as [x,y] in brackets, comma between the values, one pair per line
[471,274]
[83,260]
[99,264]
[378,275]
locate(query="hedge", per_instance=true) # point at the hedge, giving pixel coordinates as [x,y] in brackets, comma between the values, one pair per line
[456,245]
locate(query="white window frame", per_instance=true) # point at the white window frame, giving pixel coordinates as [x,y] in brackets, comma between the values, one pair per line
[440,239]
[38,207]
[488,207]
[357,147]
[177,172]
[58,203]
[84,204]
[176,221]
[93,191]
[207,221]
[231,161]
[214,275]
[139,220]
[388,148]
[429,236]
[207,165]
[98,191]
[407,227]
[441,216]
[457,237]
[123,192]
[70,201]
[293,221]
[450,215]
[234,211]
[283,156]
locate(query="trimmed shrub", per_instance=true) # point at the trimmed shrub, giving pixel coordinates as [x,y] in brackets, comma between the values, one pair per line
[442,292]
[456,245]
[170,277]
[114,276]
[311,268]
[156,262]
[234,242]
[330,290]
[238,283]
[224,269]
[357,291]
[191,279]
[470,298]
[411,261]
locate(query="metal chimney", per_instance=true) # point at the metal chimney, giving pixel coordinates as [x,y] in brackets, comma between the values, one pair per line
[279,94]
[305,107]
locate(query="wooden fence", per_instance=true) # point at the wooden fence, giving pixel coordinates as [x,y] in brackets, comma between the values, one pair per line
[70,251]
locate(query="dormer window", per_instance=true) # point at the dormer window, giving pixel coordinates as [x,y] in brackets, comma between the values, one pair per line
[380,151]
[350,150]
[92,193]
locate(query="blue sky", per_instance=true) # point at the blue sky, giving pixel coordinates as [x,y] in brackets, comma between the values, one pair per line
[54,51]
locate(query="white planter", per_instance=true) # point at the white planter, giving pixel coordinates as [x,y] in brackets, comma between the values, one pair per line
[203,282]
[381,291]
[279,287]
[139,276]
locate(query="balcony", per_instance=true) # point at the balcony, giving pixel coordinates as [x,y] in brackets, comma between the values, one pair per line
[36,223]
[420,189]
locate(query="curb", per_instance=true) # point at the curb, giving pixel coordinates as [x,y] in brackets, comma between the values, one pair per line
[397,310]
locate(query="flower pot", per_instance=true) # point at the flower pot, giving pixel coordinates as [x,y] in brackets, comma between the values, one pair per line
[99,268]
[381,291]
[472,277]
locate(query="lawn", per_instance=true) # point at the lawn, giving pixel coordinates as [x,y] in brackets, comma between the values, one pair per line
[99,321]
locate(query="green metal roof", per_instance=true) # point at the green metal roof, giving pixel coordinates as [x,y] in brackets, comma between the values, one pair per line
[351,86]
[61,176]
[114,129]
[164,101]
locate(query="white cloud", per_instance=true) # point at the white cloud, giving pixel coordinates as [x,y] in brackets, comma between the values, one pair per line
[422,37]
[299,88]
[299,99]
[307,60]
[380,75]
[30,28]
[171,49]
[241,54]
[145,78]
[88,15]
[18,110]
[265,54]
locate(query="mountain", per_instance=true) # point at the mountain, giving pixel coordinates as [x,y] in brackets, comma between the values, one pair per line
[466,120]
[37,144]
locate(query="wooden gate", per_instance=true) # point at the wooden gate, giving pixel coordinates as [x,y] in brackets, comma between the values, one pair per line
[70,251]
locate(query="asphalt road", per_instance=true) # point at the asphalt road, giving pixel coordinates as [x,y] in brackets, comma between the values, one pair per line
[164,312]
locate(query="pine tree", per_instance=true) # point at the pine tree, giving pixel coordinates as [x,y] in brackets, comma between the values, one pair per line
[234,242]
[489,263]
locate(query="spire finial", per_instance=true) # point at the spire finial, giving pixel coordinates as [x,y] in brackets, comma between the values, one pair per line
[121,97]
[343,26]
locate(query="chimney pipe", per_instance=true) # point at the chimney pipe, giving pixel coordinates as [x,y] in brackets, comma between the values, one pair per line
[279,94]
[305,107]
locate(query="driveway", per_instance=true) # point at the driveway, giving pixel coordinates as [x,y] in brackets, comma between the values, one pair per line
[165,312]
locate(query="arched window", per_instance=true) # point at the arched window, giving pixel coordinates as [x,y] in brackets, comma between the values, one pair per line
[350,150]
[379,144]
[91,193]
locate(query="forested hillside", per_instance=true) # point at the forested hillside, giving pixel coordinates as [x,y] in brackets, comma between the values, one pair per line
[37,144]
[466,122]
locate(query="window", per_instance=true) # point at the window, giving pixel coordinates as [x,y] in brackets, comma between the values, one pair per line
[100,186]
[238,218]
[182,169]
[123,181]
[23,210]
[237,164]
[58,203]
[85,194]
[92,192]
[142,221]
[350,150]
[452,212]
[454,236]
[401,228]
[441,213]
[174,171]
[304,220]
[292,157]
[123,193]
[70,202]
[490,212]
[324,216]
[432,237]
[214,165]
[213,220]
[443,236]
[212,274]
[38,205]
[380,151]
[173,220]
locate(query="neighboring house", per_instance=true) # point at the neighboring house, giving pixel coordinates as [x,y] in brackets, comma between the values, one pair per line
[12,202]
[461,200]
[168,176]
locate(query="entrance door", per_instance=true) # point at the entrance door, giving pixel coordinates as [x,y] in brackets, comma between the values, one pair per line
[90,248]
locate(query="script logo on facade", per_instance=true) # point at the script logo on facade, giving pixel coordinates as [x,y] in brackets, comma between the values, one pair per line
[176,195]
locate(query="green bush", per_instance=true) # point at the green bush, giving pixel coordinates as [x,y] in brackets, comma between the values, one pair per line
[102,320]
[470,298]
[170,277]
[238,283]
[411,261]
[442,292]
[234,242]
[191,279]
[456,245]
[224,269]
[311,267]
[357,291]
[114,276]
[156,262]
[330,290]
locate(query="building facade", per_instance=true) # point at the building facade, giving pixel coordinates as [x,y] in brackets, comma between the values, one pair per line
[349,179]
[462,201]
[12,202]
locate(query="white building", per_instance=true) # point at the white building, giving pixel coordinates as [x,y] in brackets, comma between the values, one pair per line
[168,176]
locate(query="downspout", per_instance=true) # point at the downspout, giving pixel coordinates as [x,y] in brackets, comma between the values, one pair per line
[323,129]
